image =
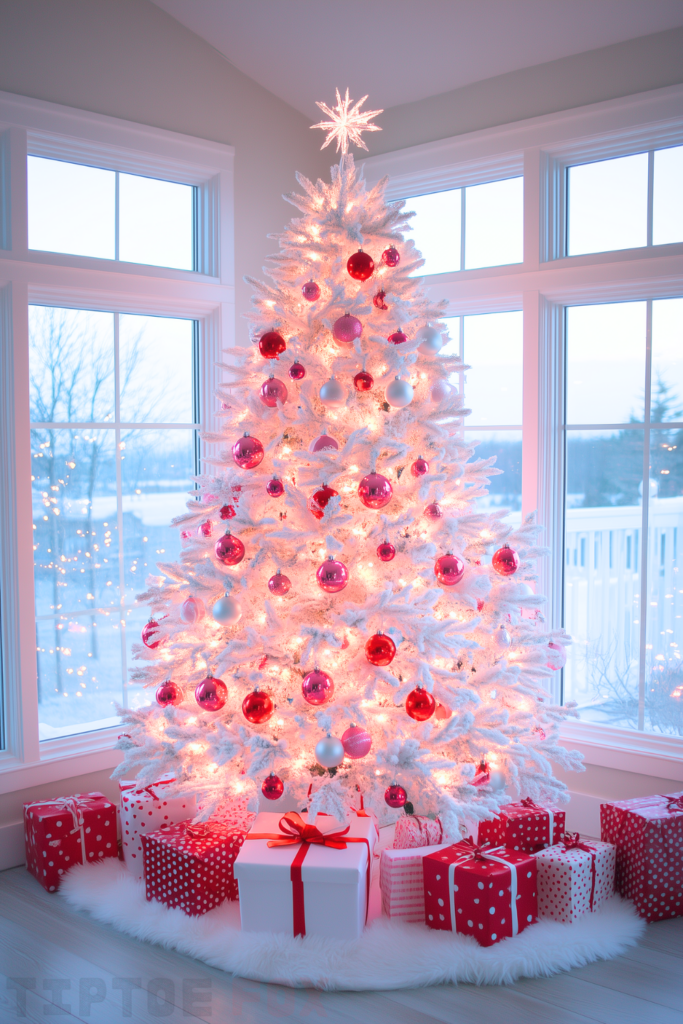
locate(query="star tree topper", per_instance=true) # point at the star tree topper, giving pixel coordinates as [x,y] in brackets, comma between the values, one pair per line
[346,122]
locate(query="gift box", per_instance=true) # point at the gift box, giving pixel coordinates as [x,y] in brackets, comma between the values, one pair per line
[192,866]
[306,878]
[71,830]
[489,894]
[415,830]
[574,878]
[524,826]
[145,809]
[648,834]
[401,882]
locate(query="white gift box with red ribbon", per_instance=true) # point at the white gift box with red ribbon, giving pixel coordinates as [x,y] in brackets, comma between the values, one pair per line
[144,809]
[574,878]
[401,882]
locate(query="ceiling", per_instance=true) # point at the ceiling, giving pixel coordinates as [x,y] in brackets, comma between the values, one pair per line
[398,51]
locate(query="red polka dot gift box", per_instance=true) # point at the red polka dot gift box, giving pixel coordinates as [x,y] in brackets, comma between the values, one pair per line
[487,893]
[523,826]
[77,829]
[648,834]
[575,877]
[145,809]
[191,866]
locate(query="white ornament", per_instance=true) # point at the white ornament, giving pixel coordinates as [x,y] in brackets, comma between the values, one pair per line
[399,393]
[502,637]
[345,123]
[227,611]
[192,610]
[430,340]
[332,394]
[329,752]
[442,389]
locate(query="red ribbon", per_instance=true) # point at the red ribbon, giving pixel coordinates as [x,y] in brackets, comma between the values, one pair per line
[572,841]
[673,803]
[147,789]
[293,830]
[528,802]
[202,830]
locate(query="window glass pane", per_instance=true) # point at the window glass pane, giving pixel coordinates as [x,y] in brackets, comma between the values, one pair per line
[607,205]
[493,385]
[156,222]
[494,223]
[71,208]
[505,490]
[667,360]
[606,363]
[71,365]
[436,231]
[667,216]
[156,369]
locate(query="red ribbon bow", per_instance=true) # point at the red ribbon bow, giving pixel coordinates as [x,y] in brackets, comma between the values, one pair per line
[572,841]
[478,851]
[674,803]
[147,789]
[528,802]
[201,829]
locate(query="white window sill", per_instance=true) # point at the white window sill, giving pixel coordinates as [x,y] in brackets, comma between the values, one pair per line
[626,750]
[63,758]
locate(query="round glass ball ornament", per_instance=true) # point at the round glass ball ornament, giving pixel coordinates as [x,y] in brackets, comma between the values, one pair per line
[397,338]
[272,787]
[247,453]
[420,704]
[211,694]
[443,713]
[395,796]
[317,687]
[433,510]
[279,584]
[346,329]
[332,394]
[310,291]
[502,637]
[329,752]
[399,393]
[441,390]
[380,650]
[318,501]
[356,742]
[375,491]
[363,381]
[257,707]
[430,340]
[275,488]
[271,344]
[378,300]
[324,443]
[386,552]
[192,610]
[332,575]
[505,561]
[449,569]
[169,694]
[360,266]
[227,611]
[227,512]
[391,257]
[229,549]
[150,630]
[557,656]
[297,371]
[420,467]
[205,529]
[273,391]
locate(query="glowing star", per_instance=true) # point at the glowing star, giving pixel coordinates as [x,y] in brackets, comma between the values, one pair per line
[346,122]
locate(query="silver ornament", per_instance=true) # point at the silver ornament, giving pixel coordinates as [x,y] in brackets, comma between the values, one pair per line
[399,393]
[227,611]
[332,394]
[430,340]
[496,781]
[502,637]
[442,389]
[329,752]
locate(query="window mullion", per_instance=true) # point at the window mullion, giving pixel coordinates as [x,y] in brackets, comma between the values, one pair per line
[116,216]
[463,225]
[650,194]
[119,508]
[645,541]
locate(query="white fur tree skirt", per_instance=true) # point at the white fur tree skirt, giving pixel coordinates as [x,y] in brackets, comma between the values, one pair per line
[387,956]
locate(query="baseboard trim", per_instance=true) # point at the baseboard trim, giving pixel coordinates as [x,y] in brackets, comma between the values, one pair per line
[12,853]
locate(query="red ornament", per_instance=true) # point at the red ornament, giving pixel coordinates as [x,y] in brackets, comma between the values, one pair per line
[317,503]
[395,796]
[363,381]
[273,391]
[391,257]
[386,551]
[247,452]
[279,584]
[346,329]
[442,712]
[378,300]
[482,774]
[480,604]
[505,561]
[148,630]
[324,443]
[397,338]
[273,787]
[449,569]
[433,511]
[297,371]
[275,488]
[204,529]
[227,512]
[356,742]
[332,575]
[380,649]
[317,687]
[375,491]
[229,549]
[420,467]
[360,266]
[311,291]
[420,704]
[271,345]
[169,693]
[211,694]
[257,707]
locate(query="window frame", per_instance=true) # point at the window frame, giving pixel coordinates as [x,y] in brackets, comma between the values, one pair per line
[542,286]
[205,295]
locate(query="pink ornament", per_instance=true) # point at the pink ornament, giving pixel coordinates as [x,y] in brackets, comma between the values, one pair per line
[169,693]
[324,443]
[346,329]
[332,575]
[211,694]
[363,381]
[433,511]
[273,787]
[247,452]
[356,742]
[318,501]
[441,390]
[420,467]
[229,549]
[449,569]
[275,488]
[442,712]
[227,512]
[311,291]
[505,561]
[317,687]
[185,534]
[386,552]
[272,392]
[297,371]
[375,491]
[204,529]
[391,257]
[397,338]
[557,656]
[279,584]
[192,610]
[151,629]
[395,796]
[378,300]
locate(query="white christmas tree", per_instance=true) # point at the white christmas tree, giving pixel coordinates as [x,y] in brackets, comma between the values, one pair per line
[350,633]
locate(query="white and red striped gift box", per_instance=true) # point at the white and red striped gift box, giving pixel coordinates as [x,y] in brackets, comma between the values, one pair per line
[402,884]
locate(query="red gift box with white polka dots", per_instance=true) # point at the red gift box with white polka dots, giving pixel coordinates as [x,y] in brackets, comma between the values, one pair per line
[648,834]
[524,826]
[146,809]
[70,830]
[192,866]
[574,879]
[488,894]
